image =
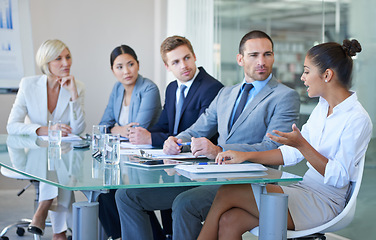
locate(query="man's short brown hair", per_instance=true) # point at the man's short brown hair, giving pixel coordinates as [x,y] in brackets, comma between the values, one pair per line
[173,42]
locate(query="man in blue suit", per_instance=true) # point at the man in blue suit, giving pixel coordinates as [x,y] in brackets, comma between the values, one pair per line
[242,115]
[200,90]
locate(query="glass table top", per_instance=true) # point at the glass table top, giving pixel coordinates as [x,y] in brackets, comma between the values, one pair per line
[76,169]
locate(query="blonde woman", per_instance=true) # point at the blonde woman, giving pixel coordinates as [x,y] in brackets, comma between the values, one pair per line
[55,95]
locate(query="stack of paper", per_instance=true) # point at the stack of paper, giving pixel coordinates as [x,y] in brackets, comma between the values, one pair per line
[69,138]
[132,146]
[157,154]
[223,168]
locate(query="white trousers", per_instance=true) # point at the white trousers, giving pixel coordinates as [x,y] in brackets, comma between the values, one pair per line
[61,211]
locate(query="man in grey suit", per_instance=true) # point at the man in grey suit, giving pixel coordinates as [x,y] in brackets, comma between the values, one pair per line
[242,121]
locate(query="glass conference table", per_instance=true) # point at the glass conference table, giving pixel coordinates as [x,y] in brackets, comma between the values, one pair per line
[75,169]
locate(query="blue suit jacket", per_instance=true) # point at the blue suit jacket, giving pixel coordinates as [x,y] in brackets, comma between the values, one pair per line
[144,108]
[203,90]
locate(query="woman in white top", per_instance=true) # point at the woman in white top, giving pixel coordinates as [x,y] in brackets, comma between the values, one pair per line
[56,95]
[333,141]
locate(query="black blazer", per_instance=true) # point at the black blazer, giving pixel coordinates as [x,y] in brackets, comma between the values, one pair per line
[200,95]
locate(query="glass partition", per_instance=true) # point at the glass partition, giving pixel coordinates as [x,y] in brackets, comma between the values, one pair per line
[294,25]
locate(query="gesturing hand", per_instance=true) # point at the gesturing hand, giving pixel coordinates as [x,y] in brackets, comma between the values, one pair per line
[293,139]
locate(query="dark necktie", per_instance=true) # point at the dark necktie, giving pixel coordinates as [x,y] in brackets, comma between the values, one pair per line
[242,102]
[179,105]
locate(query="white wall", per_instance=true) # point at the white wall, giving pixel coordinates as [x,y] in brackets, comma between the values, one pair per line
[91,29]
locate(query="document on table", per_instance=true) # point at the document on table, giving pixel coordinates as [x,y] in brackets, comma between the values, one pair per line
[132,146]
[69,138]
[223,168]
[226,175]
[158,154]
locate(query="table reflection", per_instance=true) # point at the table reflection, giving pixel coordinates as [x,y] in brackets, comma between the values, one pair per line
[34,156]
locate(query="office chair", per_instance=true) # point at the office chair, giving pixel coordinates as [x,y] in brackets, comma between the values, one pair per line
[339,222]
[23,223]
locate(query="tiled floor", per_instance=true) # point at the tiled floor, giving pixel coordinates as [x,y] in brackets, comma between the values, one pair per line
[13,208]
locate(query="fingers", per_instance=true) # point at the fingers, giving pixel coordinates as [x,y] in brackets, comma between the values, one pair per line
[224,158]
[133,124]
[65,130]
[171,146]
[198,146]
[68,80]
[295,128]
[131,128]
[134,135]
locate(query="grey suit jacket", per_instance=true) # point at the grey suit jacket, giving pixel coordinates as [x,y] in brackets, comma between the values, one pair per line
[275,107]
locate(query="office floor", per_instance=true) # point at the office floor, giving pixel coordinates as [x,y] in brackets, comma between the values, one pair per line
[13,208]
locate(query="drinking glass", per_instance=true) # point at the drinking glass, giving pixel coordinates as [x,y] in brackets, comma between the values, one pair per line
[54,156]
[112,149]
[111,175]
[54,133]
[98,140]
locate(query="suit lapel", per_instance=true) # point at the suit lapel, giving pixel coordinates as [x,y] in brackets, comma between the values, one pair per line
[118,102]
[62,103]
[41,88]
[232,98]
[171,98]
[135,98]
[192,91]
[264,93]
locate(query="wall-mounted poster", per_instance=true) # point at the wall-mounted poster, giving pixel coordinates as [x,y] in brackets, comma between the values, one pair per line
[11,63]
[16,45]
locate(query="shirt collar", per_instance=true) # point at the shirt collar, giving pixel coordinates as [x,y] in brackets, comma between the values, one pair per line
[345,105]
[190,82]
[257,85]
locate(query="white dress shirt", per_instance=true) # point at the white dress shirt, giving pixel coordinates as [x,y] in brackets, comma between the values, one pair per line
[341,137]
[188,85]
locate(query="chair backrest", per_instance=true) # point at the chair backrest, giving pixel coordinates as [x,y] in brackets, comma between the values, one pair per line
[344,218]
[11,174]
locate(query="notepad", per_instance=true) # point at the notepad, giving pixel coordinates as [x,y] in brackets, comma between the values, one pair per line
[157,163]
[224,168]
[220,176]
[132,146]
[158,154]
[69,138]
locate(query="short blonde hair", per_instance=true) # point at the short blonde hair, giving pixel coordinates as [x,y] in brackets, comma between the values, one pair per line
[47,52]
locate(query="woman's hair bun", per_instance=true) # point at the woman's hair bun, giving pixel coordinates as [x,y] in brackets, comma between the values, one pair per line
[351,47]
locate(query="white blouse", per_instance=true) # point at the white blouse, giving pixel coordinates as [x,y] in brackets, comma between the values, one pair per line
[341,137]
[124,115]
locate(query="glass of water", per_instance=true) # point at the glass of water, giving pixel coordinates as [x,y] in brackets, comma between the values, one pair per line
[98,140]
[111,175]
[54,133]
[112,149]
[54,156]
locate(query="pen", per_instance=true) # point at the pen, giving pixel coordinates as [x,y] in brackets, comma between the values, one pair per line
[207,163]
[184,144]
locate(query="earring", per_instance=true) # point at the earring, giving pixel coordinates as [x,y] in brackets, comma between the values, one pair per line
[326,80]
